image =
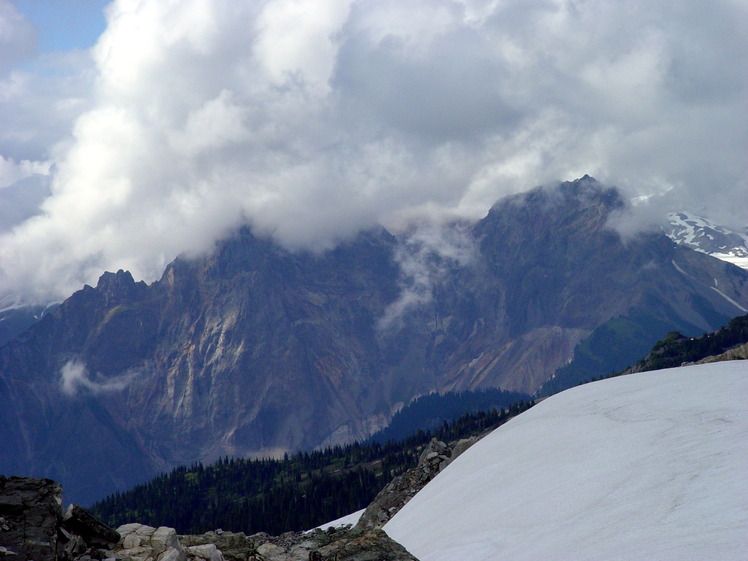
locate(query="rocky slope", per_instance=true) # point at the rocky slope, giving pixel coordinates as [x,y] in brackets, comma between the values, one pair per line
[33,527]
[255,350]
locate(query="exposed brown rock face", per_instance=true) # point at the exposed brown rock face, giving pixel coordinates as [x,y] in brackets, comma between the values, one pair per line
[255,350]
[738,353]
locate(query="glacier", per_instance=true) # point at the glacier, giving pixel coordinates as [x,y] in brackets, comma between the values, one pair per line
[645,466]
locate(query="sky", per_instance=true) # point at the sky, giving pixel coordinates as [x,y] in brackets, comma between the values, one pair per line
[137,130]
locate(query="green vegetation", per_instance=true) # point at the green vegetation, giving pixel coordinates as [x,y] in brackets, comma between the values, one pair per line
[298,492]
[675,348]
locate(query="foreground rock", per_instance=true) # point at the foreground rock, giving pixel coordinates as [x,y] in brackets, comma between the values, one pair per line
[30,515]
[349,544]
[145,543]
[435,457]
[32,525]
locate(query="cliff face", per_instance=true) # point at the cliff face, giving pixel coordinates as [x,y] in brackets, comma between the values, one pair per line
[255,350]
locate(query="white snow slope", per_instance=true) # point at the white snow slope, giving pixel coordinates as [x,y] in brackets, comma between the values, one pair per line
[648,466]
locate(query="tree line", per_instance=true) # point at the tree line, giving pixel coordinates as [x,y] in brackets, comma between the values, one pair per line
[298,492]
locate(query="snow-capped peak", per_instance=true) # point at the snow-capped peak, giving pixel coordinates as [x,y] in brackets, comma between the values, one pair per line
[701,234]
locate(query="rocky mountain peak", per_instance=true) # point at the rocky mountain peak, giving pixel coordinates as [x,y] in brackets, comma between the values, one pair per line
[556,201]
[118,288]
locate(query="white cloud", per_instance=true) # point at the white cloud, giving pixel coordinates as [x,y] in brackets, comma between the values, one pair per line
[314,123]
[75,378]
[12,172]
[430,249]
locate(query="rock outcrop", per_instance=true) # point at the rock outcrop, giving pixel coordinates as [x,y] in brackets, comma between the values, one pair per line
[349,544]
[738,353]
[433,459]
[33,527]
[30,516]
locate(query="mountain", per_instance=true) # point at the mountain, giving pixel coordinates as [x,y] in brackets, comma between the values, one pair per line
[645,466]
[703,235]
[254,495]
[254,350]
[17,316]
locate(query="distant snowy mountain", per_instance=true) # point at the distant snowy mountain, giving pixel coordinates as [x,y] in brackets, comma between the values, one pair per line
[17,315]
[647,466]
[702,235]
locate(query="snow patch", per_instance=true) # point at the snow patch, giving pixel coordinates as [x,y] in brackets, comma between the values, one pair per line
[347,520]
[645,466]
[681,271]
[730,300]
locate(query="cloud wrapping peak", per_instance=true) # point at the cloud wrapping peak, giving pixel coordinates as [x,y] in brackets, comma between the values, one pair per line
[312,121]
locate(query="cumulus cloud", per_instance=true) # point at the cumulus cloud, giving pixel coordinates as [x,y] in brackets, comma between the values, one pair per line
[75,378]
[313,120]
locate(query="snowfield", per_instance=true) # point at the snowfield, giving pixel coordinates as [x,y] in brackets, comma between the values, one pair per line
[648,466]
[347,520]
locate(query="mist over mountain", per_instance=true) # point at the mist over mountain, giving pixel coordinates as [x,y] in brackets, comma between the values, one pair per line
[256,350]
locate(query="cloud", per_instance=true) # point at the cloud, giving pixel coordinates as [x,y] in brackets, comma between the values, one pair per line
[75,378]
[40,94]
[430,248]
[12,172]
[314,121]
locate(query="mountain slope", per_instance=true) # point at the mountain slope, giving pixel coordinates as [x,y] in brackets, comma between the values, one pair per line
[16,317]
[255,350]
[702,235]
[675,349]
[646,466]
